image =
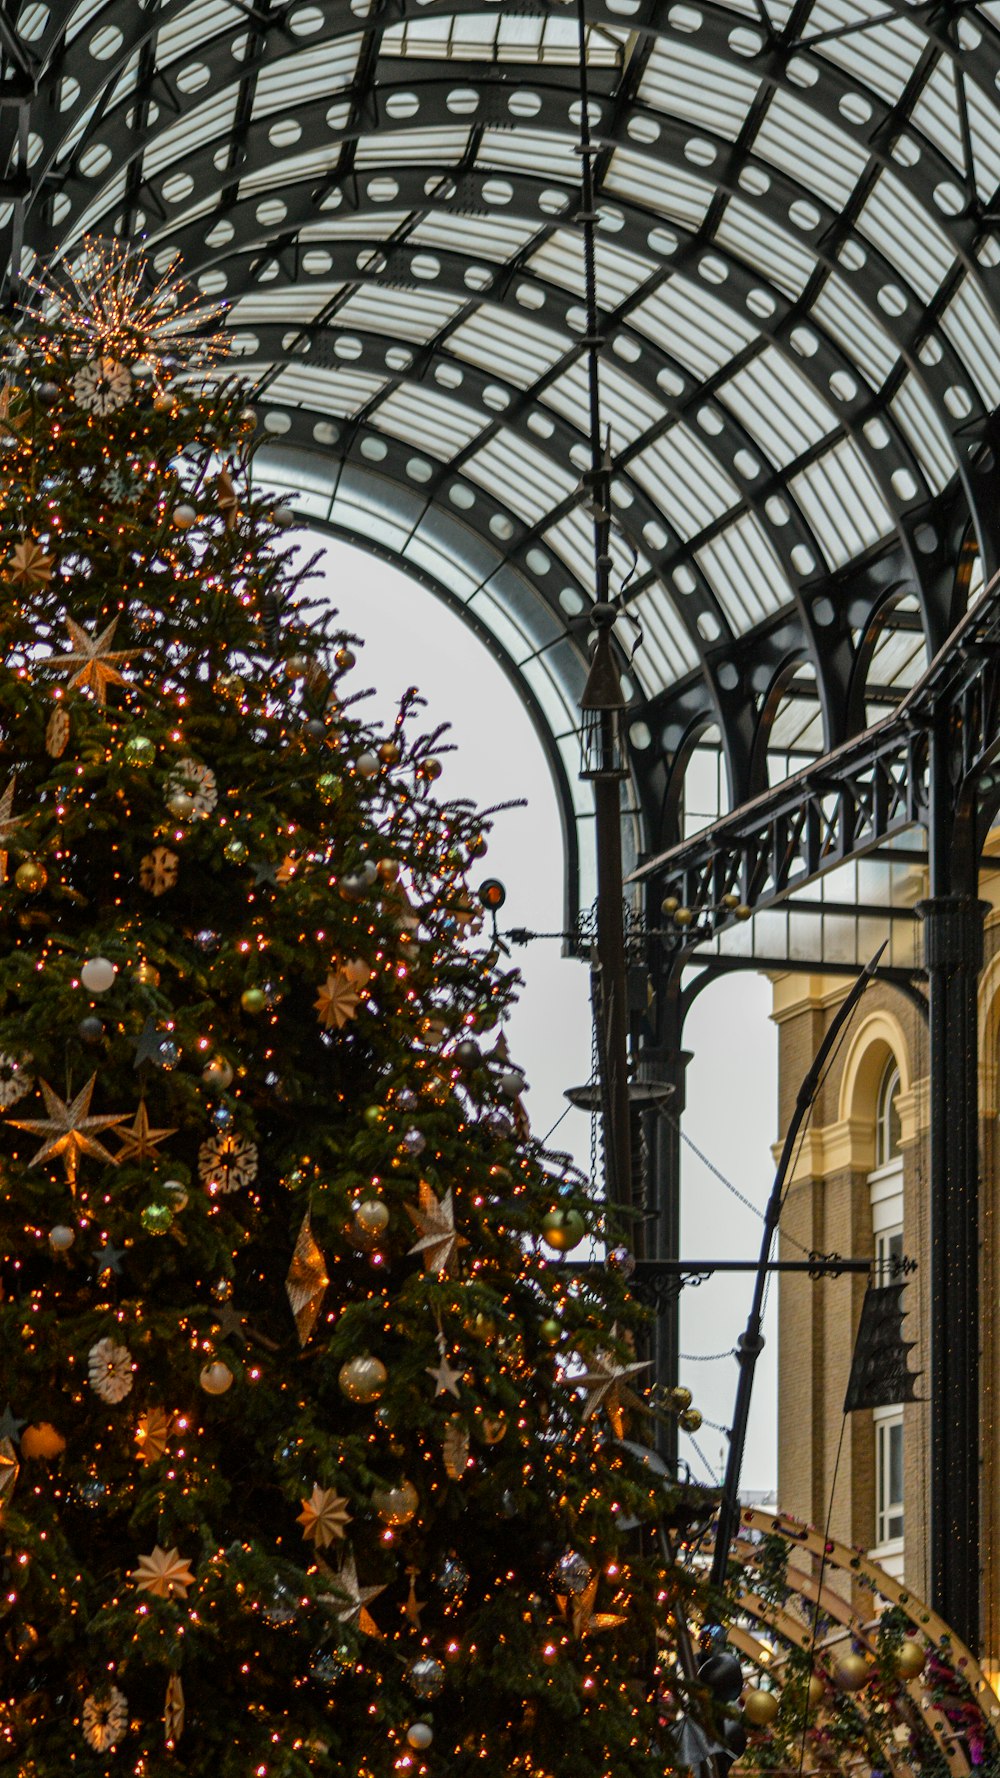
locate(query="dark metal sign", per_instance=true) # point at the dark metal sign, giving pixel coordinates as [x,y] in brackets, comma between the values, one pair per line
[880,1376]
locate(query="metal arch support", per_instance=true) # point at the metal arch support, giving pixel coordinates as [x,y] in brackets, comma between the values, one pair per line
[511,668]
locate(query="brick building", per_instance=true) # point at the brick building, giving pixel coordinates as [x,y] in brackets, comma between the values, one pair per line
[858,1186]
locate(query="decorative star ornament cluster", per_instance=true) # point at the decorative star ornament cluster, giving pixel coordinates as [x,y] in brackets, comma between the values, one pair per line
[434,1220]
[95,663]
[579,1610]
[69,1130]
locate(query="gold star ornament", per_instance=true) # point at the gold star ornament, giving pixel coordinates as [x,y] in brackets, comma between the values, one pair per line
[607,1385]
[337,1001]
[95,662]
[164,1574]
[307,1281]
[349,1601]
[140,1141]
[29,566]
[69,1130]
[324,1517]
[434,1221]
[583,1619]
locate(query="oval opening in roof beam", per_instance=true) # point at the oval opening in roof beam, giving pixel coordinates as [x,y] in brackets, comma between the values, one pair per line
[744,41]
[523,103]
[305,20]
[462,101]
[402,105]
[685,18]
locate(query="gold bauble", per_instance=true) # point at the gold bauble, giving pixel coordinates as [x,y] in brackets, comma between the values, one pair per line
[215,1378]
[397,1506]
[550,1331]
[910,1659]
[689,1420]
[683,917]
[817,1691]
[31,876]
[218,1073]
[388,869]
[562,1230]
[42,1440]
[389,753]
[760,1708]
[145,975]
[371,1219]
[363,1379]
[851,1672]
[680,1398]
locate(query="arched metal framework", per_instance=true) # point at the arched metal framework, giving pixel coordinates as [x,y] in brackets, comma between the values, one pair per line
[798,284]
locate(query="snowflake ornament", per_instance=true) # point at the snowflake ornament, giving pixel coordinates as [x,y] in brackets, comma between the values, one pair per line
[105,1719]
[102,386]
[197,783]
[109,1369]
[158,870]
[227,1162]
[15,1081]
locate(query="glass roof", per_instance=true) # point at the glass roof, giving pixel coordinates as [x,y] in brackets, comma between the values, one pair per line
[797,278]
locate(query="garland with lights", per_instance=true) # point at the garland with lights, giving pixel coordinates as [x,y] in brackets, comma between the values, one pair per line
[313,1459]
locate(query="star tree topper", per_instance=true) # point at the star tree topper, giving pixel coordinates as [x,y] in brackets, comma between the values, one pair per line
[69,1129]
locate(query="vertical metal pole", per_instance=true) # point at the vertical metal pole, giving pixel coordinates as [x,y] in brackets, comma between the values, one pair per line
[953,952]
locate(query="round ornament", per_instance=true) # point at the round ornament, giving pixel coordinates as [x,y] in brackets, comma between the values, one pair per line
[140,752]
[550,1331]
[426,1676]
[851,1672]
[90,1030]
[253,1001]
[97,975]
[562,1230]
[31,876]
[177,1193]
[156,1219]
[452,1578]
[42,1441]
[689,1420]
[236,851]
[816,1691]
[218,1073]
[371,1219]
[145,976]
[572,1574]
[283,517]
[180,805]
[109,1370]
[215,1378]
[195,781]
[910,1659]
[362,1379]
[344,659]
[414,1141]
[329,786]
[760,1708]
[329,1662]
[389,752]
[183,516]
[168,1053]
[367,764]
[61,1237]
[397,1506]
[420,1735]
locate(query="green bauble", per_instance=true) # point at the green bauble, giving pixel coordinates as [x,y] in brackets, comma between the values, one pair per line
[329,786]
[140,750]
[253,1000]
[563,1230]
[157,1218]
[236,851]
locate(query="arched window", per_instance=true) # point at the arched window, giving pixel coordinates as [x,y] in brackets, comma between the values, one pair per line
[888,1127]
[885,1183]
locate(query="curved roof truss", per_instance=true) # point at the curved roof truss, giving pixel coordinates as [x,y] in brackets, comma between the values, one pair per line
[798,286]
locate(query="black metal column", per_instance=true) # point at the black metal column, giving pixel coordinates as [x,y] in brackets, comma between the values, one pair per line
[953,951]
[664,1191]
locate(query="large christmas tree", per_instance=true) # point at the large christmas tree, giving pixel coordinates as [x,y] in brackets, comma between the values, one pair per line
[312,1459]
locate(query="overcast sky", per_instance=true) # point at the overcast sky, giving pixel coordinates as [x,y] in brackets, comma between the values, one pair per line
[412,638]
